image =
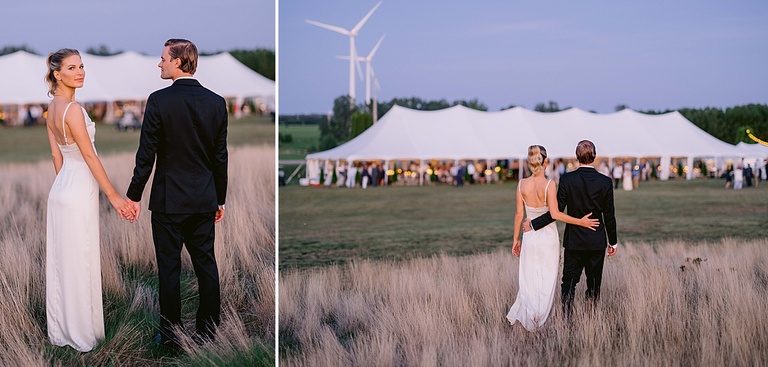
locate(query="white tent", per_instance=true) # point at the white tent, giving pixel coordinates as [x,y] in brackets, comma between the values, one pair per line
[462,133]
[752,150]
[128,76]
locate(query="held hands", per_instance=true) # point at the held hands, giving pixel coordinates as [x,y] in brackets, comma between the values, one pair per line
[124,209]
[516,248]
[585,221]
[135,207]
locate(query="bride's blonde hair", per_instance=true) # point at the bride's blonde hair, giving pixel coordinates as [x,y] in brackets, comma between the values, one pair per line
[537,154]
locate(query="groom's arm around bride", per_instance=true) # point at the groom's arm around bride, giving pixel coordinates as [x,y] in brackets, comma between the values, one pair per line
[583,191]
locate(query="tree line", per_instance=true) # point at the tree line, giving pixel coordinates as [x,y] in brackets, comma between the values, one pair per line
[348,120]
[259,60]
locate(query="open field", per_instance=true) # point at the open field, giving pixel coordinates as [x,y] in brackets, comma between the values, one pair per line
[671,303]
[321,226]
[375,278]
[30,144]
[244,249]
[304,138]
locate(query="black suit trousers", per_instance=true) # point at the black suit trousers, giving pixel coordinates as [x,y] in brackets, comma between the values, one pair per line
[574,262]
[197,231]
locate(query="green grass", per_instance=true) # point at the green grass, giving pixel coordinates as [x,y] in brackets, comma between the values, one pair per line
[322,226]
[306,138]
[30,144]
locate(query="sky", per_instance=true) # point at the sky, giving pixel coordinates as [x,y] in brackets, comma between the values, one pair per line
[594,55]
[137,25]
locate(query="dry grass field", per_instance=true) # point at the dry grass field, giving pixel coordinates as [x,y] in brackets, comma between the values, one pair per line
[424,276]
[671,303]
[244,248]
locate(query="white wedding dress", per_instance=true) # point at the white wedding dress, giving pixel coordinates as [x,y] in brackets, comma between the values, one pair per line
[74,309]
[538,270]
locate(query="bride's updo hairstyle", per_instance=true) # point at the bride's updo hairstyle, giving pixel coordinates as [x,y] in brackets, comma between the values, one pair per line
[536,157]
[54,61]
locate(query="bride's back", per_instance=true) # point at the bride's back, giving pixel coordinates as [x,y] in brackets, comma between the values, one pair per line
[533,190]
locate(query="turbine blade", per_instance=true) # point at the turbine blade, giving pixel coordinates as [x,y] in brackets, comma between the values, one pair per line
[359,69]
[345,57]
[362,21]
[375,79]
[373,52]
[329,27]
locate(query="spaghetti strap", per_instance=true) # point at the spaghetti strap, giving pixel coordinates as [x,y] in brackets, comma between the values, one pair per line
[63,127]
[518,190]
[545,192]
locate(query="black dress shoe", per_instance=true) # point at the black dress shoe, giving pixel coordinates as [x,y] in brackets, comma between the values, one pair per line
[166,342]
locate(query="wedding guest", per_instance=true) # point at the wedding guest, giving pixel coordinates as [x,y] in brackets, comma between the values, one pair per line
[366,175]
[617,173]
[738,177]
[748,175]
[728,175]
[627,177]
[635,176]
[341,177]
[604,169]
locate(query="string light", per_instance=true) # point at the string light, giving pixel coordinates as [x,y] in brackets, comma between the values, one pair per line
[755,138]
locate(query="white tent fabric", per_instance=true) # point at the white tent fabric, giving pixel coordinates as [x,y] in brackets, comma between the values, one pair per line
[752,150]
[463,133]
[127,76]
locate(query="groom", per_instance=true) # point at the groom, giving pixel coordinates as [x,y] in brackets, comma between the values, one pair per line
[185,130]
[583,191]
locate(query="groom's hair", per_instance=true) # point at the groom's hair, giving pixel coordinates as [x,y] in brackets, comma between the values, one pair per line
[585,152]
[184,50]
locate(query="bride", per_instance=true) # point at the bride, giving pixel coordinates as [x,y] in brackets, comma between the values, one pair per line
[540,257]
[74,310]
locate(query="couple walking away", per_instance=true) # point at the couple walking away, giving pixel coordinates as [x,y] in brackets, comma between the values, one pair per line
[185,132]
[588,195]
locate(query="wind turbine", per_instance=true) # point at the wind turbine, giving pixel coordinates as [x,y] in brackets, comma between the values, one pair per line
[375,112]
[369,70]
[369,73]
[352,33]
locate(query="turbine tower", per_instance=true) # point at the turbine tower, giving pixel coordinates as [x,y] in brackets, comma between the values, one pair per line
[369,70]
[369,73]
[352,33]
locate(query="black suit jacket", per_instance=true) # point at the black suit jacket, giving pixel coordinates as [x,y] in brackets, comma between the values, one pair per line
[582,191]
[185,129]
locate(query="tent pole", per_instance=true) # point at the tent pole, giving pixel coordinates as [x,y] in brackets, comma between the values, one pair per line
[421,172]
[386,176]
[664,163]
[488,166]
[689,174]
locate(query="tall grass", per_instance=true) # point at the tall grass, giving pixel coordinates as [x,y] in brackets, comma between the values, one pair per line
[244,250]
[673,304]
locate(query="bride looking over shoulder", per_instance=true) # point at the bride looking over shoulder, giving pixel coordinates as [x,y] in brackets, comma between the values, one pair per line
[74,310]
